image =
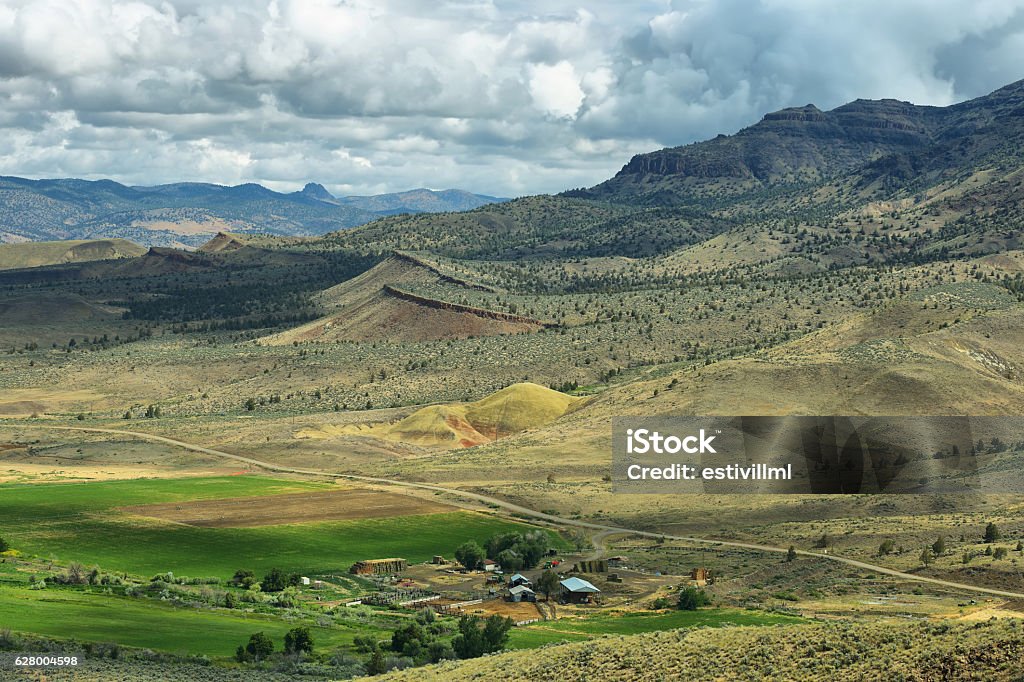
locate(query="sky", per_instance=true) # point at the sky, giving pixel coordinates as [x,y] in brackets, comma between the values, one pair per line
[500,98]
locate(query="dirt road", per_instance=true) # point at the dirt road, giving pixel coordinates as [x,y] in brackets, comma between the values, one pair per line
[603,530]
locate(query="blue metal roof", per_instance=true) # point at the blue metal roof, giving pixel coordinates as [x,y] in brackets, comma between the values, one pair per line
[578,585]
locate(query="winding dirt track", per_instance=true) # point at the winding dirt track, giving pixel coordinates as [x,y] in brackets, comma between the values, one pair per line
[550,518]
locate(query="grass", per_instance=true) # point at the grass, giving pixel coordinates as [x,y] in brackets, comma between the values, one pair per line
[52,502]
[632,623]
[77,522]
[65,613]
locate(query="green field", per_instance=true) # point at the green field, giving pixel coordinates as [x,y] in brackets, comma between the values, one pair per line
[631,623]
[83,616]
[79,522]
[20,503]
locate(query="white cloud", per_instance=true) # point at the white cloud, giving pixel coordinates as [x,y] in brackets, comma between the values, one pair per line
[556,89]
[506,98]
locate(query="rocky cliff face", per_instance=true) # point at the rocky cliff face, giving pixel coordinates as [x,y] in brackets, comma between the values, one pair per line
[805,143]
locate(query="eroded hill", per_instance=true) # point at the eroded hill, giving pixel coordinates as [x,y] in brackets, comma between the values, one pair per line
[511,410]
[403,299]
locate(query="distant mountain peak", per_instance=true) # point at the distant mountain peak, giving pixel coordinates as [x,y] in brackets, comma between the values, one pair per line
[315,190]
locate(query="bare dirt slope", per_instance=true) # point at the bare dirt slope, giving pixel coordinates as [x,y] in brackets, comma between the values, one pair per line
[329,505]
[380,304]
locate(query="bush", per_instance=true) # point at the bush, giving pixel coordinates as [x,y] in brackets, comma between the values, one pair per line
[691,599]
[276,580]
[259,647]
[440,651]
[243,578]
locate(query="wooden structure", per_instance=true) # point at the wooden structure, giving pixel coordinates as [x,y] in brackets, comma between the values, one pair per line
[378,567]
[702,576]
[519,579]
[591,566]
[521,593]
[577,591]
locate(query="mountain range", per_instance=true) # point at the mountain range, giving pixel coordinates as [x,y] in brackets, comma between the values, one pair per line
[863,261]
[188,213]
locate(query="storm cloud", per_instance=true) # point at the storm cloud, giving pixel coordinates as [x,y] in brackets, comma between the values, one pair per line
[503,98]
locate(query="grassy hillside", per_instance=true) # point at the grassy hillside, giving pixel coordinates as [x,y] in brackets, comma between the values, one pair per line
[35,254]
[823,651]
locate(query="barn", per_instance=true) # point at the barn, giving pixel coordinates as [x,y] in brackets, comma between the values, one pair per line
[519,579]
[521,593]
[577,591]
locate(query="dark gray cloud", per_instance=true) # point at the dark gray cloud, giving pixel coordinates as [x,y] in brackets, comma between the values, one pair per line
[497,97]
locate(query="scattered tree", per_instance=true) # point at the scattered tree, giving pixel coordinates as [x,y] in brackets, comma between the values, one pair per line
[992,532]
[691,599]
[259,647]
[298,639]
[276,580]
[474,641]
[470,554]
[547,583]
[791,553]
[579,539]
[377,665]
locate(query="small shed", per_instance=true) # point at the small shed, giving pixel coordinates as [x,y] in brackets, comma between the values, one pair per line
[521,593]
[577,591]
[519,579]
[702,576]
[490,565]
[304,580]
